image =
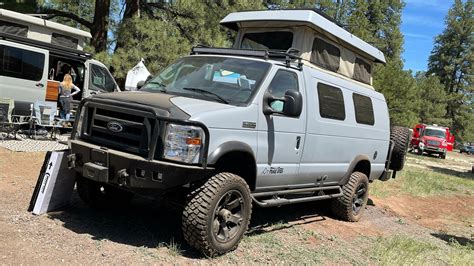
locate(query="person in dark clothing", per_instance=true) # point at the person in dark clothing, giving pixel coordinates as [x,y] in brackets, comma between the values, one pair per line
[65,96]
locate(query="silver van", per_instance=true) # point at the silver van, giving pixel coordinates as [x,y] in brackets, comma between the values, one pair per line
[232,128]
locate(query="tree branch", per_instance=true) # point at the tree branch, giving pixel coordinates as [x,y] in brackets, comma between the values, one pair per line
[52,13]
[166,8]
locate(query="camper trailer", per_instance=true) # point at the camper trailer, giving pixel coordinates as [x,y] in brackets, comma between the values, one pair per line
[35,54]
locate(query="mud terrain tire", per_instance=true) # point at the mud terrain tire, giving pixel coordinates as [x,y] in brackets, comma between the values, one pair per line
[401,139]
[101,196]
[217,214]
[350,206]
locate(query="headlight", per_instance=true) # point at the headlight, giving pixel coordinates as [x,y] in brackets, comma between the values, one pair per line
[183,143]
[422,143]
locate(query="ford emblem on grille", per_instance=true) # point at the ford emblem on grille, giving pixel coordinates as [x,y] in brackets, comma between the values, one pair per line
[114,126]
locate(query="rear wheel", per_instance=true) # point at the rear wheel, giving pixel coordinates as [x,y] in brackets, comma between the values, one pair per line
[442,155]
[217,214]
[351,205]
[101,196]
[401,139]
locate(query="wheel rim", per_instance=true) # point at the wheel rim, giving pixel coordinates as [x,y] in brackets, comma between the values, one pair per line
[227,217]
[359,198]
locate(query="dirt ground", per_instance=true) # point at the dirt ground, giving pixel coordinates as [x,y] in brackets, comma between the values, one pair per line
[147,232]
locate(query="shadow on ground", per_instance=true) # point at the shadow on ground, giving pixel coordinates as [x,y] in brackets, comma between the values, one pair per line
[146,223]
[464,241]
[452,172]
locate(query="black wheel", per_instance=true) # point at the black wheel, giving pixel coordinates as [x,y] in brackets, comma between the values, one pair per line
[401,138]
[217,214]
[351,205]
[420,151]
[101,196]
[442,155]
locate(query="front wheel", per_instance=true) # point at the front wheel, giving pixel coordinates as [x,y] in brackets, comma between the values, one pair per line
[350,206]
[217,214]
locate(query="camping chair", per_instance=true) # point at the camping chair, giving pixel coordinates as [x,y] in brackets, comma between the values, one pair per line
[6,109]
[42,120]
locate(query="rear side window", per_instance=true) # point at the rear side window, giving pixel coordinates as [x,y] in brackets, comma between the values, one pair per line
[19,63]
[276,40]
[331,102]
[325,55]
[364,110]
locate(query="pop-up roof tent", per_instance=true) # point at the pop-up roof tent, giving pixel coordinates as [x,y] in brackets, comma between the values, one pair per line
[321,42]
[30,27]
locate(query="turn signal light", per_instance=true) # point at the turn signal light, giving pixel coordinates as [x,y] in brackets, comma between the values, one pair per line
[193,141]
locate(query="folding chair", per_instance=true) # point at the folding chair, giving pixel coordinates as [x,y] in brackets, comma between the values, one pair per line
[6,109]
[43,118]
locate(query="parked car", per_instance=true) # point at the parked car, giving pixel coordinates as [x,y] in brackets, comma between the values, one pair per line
[432,139]
[235,127]
[467,149]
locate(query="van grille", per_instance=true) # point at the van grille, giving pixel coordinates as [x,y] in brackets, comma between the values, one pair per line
[433,143]
[134,134]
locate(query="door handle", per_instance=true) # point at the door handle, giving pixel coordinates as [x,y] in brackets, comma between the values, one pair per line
[298,141]
[39,85]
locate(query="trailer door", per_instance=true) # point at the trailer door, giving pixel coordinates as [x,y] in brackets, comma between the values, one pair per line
[23,74]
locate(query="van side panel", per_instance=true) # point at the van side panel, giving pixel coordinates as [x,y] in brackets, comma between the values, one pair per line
[23,90]
[331,145]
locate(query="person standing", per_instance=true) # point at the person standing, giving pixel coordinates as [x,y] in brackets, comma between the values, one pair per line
[65,96]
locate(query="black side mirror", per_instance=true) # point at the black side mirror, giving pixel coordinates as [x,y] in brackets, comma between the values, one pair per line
[140,84]
[292,107]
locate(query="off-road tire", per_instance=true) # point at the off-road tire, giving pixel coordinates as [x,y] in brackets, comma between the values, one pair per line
[101,196]
[342,207]
[442,155]
[199,215]
[401,139]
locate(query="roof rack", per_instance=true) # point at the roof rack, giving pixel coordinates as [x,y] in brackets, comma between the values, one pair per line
[53,49]
[289,55]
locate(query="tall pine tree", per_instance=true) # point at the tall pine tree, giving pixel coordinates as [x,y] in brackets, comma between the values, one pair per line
[451,60]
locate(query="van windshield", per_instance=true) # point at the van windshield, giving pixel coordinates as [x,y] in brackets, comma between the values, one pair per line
[221,79]
[435,133]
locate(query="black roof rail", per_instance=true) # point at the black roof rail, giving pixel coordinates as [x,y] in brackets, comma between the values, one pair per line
[289,55]
[53,49]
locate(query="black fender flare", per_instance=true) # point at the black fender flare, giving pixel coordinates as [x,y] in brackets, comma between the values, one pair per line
[231,146]
[352,165]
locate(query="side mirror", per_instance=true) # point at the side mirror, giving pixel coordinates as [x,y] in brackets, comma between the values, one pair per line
[140,84]
[292,104]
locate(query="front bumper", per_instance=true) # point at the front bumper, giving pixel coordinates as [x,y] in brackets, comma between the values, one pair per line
[131,171]
[427,148]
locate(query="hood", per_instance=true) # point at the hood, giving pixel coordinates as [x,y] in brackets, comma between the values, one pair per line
[161,103]
[194,106]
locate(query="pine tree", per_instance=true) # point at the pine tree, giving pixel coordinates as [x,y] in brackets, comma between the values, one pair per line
[432,99]
[451,60]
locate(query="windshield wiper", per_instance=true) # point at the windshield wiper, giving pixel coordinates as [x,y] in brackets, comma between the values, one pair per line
[207,92]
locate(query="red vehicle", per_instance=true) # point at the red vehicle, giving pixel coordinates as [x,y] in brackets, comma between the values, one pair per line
[432,139]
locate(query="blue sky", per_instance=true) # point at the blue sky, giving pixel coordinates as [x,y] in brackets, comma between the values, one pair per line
[422,21]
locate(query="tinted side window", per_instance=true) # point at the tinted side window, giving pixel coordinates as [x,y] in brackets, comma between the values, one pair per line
[19,63]
[325,55]
[283,82]
[100,79]
[364,110]
[331,102]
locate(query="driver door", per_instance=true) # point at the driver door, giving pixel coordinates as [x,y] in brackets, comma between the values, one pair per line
[280,138]
[97,79]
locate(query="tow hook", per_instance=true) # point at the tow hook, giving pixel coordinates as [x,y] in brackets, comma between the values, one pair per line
[122,177]
[71,161]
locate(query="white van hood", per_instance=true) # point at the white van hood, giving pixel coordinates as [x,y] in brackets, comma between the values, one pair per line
[195,107]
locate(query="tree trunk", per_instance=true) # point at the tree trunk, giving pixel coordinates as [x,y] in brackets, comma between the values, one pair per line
[100,25]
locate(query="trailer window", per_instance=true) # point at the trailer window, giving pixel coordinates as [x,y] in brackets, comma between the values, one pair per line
[364,110]
[13,28]
[362,71]
[64,40]
[19,63]
[325,55]
[276,40]
[101,80]
[331,102]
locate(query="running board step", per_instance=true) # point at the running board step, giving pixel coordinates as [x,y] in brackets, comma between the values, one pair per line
[277,201]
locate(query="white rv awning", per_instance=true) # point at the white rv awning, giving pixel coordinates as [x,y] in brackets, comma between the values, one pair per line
[310,18]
